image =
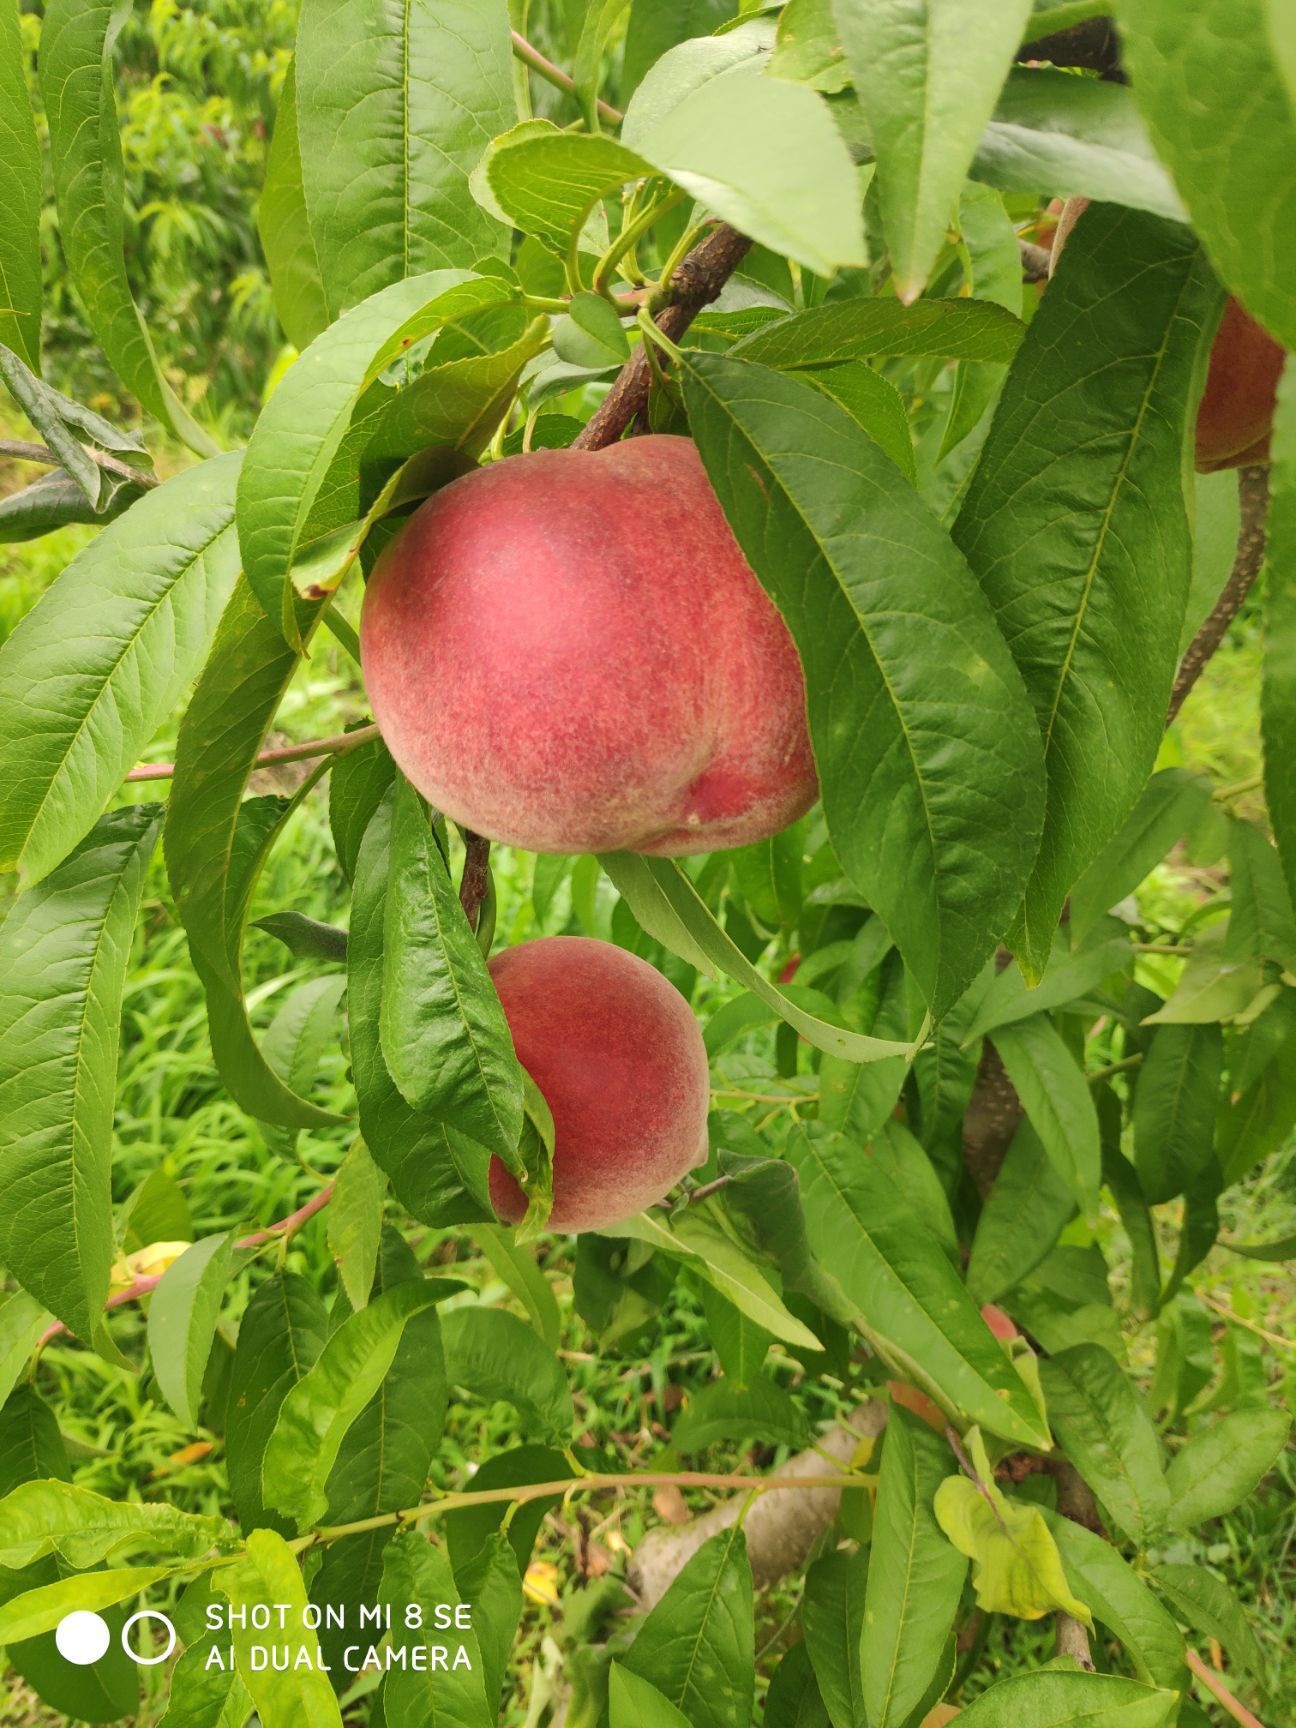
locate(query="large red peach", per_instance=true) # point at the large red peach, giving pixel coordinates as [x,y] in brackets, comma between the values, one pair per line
[1236,415]
[568,652]
[619,1057]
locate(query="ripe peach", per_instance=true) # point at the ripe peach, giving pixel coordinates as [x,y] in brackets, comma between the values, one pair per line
[619,1057]
[1235,419]
[568,652]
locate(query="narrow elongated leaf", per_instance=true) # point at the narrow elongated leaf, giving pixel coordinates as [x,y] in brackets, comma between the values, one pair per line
[1168,807]
[862,329]
[929,73]
[516,1265]
[1027,1210]
[182,1321]
[1118,1597]
[303,425]
[317,1412]
[697,1645]
[1057,1102]
[1071,973]
[1175,1108]
[1114,352]
[668,907]
[416,1574]
[41,1609]
[357,786]
[444,1035]
[20,198]
[794,1699]
[284,226]
[496,1355]
[355,1222]
[395,103]
[991,256]
[1278,686]
[1206,1603]
[63,953]
[1222,1464]
[833,1617]
[48,1517]
[761,1410]
[1261,922]
[1070,1700]
[910,1301]
[283,1696]
[99,663]
[78,39]
[636,1703]
[915,1577]
[1232,150]
[930,776]
[55,500]
[22,1321]
[280,1338]
[1097,1417]
[437,1174]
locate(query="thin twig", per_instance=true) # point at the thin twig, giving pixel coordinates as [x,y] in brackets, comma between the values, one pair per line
[21,451]
[531,56]
[475,881]
[1074,1501]
[1215,1684]
[285,1228]
[1253,495]
[1035,261]
[340,744]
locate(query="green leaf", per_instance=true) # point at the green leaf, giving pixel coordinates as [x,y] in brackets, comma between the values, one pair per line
[22,1323]
[1283,1249]
[833,1616]
[444,1036]
[911,1303]
[20,198]
[546,181]
[895,1150]
[1278,684]
[54,501]
[1114,350]
[1168,807]
[319,1409]
[929,73]
[496,1355]
[697,1645]
[280,1338]
[794,1700]
[1223,1464]
[1175,1107]
[47,1517]
[417,1574]
[1202,1601]
[591,333]
[1069,975]
[636,1703]
[99,663]
[469,1529]
[1026,1211]
[358,783]
[355,1222]
[282,1697]
[1057,1101]
[875,404]
[668,908]
[992,271]
[395,104]
[215,845]
[1212,986]
[1120,1598]
[516,1265]
[203,1697]
[1100,1423]
[41,1609]
[304,937]
[457,404]
[929,782]
[301,429]
[1261,921]
[78,39]
[1232,149]
[809,47]
[437,1174]
[760,1410]
[182,1321]
[865,329]
[296,278]
[1070,1700]
[915,1576]
[1016,1567]
[63,953]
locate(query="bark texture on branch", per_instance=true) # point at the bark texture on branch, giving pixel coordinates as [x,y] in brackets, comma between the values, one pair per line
[1093,45]
[1075,1502]
[1253,495]
[781,1528]
[695,283]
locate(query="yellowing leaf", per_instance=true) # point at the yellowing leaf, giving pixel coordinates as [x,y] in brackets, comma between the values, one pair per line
[1016,1567]
[150,1262]
[540,1584]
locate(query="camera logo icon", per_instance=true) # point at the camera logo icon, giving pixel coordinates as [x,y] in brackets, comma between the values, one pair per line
[83,1636]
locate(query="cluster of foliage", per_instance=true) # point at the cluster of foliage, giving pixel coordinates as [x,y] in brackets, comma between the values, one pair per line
[974,506]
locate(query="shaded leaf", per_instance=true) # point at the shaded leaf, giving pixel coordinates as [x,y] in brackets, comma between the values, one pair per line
[833,1615]
[1224,1463]
[182,1321]
[1057,1102]
[1120,1598]
[280,1337]
[496,1355]
[1096,1415]
[1070,1700]
[1175,1105]
[697,1645]
[20,199]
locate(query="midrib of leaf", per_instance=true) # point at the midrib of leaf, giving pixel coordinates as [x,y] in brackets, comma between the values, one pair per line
[129,646]
[1108,1438]
[706,1617]
[894,1662]
[407,202]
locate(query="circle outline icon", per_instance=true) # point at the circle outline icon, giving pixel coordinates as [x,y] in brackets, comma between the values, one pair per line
[148,1614]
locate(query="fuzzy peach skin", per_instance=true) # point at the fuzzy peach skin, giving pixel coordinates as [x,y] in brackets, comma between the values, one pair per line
[1236,415]
[619,1057]
[567,651]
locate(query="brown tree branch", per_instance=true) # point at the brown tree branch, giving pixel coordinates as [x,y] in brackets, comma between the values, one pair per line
[475,882]
[22,451]
[695,283]
[1214,1684]
[1075,1502]
[1253,495]
[341,744]
[1093,45]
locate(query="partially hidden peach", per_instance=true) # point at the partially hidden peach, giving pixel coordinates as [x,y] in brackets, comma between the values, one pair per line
[619,1057]
[568,652]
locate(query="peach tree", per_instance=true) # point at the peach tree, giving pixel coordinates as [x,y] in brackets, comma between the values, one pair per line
[797,569]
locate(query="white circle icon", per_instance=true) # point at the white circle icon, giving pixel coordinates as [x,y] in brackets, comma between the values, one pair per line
[82,1637]
[147,1614]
